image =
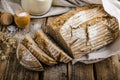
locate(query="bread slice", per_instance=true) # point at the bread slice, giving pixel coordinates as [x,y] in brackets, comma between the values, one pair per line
[37,52]
[48,46]
[27,59]
[68,30]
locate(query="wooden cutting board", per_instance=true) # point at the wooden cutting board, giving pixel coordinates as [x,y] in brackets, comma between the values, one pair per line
[10,69]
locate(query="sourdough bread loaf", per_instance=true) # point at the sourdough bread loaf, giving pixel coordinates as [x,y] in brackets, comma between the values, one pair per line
[83,30]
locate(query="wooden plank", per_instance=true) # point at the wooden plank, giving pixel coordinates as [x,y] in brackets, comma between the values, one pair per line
[108,69]
[50,19]
[80,71]
[57,72]
[3,66]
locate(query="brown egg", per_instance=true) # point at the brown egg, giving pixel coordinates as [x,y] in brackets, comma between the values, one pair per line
[6,18]
[22,19]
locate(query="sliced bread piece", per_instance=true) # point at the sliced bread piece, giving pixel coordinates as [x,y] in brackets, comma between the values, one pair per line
[48,46]
[69,32]
[27,59]
[36,51]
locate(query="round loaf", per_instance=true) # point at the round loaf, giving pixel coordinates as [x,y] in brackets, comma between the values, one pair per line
[84,29]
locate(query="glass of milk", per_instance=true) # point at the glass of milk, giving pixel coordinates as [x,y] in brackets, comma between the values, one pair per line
[36,7]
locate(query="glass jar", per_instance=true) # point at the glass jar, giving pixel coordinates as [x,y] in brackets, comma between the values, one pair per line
[36,7]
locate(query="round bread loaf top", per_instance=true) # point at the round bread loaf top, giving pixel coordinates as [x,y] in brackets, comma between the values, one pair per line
[84,29]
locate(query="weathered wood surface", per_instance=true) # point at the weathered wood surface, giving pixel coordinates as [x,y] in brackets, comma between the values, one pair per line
[108,69]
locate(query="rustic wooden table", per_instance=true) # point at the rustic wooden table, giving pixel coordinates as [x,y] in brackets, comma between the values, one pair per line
[108,69]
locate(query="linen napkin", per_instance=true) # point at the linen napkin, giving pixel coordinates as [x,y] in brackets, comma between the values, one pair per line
[75,3]
[59,6]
